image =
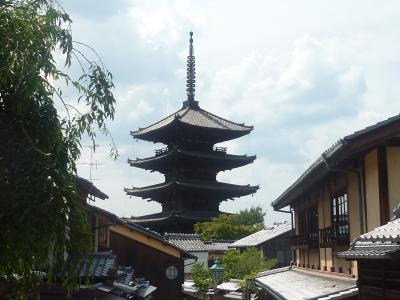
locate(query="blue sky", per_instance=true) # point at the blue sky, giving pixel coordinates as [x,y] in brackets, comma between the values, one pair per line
[304,73]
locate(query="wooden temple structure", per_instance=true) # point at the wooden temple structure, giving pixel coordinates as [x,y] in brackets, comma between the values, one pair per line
[190,163]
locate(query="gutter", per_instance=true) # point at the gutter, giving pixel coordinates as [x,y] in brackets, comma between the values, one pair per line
[360,198]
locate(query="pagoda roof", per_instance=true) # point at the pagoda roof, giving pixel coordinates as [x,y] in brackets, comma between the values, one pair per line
[213,189]
[189,215]
[192,117]
[221,160]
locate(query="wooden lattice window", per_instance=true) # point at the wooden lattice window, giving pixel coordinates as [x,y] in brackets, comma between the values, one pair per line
[340,216]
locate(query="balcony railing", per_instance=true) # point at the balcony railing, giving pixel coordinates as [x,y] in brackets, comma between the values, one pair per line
[309,240]
[330,236]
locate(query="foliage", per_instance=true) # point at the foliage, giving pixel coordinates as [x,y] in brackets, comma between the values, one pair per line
[232,227]
[202,276]
[245,265]
[41,216]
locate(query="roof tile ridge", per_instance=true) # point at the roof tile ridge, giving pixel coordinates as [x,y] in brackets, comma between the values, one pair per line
[226,120]
[173,114]
[163,184]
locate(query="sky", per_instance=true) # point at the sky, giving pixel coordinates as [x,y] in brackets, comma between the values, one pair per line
[303,73]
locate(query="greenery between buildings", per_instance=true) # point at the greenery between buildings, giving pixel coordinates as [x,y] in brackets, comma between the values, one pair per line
[41,215]
[237,265]
[246,264]
[232,227]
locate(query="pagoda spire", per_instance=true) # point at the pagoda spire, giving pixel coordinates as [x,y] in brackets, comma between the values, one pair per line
[190,75]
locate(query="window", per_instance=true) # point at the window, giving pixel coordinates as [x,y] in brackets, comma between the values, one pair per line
[103,235]
[171,272]
[340,216]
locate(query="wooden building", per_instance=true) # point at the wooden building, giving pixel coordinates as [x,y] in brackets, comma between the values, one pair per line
[190,163]
[152,257]
[206,252]
[349,190]
[272,242]
[378,259]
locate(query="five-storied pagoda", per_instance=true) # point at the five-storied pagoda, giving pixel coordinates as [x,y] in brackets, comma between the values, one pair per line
[190,163]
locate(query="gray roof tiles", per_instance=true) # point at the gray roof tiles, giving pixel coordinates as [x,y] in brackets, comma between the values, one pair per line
[194,117]
[194,243]
[287,283]
[378,243]
[262,236]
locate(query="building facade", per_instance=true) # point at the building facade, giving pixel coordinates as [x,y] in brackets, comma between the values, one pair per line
[349,190]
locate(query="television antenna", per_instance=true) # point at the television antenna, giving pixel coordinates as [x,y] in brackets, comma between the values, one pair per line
[91,163]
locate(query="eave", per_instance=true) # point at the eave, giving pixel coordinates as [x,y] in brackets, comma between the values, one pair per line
[346,149]
[212,189]
[220,161]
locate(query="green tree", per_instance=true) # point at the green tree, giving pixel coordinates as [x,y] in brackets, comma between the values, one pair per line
[232,227]
[244,265]
[41,216]
[202,277]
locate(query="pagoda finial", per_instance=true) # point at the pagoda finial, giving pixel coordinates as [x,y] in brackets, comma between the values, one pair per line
[191,72]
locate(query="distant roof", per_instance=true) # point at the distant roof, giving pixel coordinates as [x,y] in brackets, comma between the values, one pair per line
[293,284]
[84,185]
[338,153]
[195,117]
[137,227]
[382,242]
[194,243]
[262,236]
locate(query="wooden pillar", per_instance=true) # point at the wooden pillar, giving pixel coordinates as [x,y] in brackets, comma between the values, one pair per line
[383,185]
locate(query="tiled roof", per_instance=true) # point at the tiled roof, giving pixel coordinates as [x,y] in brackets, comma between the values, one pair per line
[156,190]
[194,243]
[262,236]
[216,157]
[319,168]
[194,117]
[133,226]
[84,185]
[184,214]
[98,265]
[378,243]
[287,283]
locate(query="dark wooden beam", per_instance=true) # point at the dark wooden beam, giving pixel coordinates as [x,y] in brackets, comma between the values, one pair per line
[383,185]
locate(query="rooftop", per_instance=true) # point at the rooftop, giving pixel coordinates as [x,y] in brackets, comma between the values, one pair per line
[382,242]
[293,284]
[194,243]
[349,145]
[262,236]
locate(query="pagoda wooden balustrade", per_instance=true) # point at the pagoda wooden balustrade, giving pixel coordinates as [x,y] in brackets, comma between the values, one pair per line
[220,149]
[161,151]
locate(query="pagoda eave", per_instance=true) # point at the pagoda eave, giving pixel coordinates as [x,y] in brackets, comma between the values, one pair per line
[216,160]
[215,190]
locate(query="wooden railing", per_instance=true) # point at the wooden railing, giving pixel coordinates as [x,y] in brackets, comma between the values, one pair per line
[309,239]
[220,149]
[330,236]
[161,151]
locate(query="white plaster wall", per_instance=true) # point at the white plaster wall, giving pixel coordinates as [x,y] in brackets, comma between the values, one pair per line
[201,257]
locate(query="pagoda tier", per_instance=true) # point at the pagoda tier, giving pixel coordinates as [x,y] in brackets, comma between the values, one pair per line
[194,123]
[174,221]
[167,160]
[196,190]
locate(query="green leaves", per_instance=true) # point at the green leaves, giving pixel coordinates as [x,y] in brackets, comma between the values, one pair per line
[232,227]
[202,277]
[244,265]
[42,217]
